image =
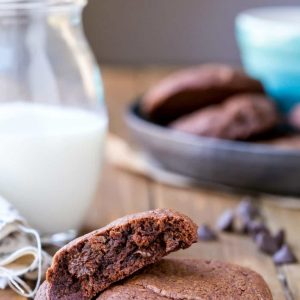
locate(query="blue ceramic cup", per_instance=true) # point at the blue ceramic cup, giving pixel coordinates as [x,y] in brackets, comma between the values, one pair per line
[269,41]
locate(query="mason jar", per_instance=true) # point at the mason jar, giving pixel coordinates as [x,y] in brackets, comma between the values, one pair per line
[53,119]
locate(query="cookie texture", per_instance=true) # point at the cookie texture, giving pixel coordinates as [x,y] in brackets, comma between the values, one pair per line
[91,263]
[191,279]
[238,118]
[191,89]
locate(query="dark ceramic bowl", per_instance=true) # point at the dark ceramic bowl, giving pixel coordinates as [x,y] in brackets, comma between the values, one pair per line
[243,165]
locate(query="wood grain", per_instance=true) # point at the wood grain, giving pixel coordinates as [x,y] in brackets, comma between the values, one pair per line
[119,194]
[10,295]
[278,217]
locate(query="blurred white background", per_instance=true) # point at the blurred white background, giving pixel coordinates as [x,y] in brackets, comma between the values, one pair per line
[166,31]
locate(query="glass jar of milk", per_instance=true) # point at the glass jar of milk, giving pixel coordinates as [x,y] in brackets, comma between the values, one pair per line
[52,114]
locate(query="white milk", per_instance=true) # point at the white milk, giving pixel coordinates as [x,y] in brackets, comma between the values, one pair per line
[50,159]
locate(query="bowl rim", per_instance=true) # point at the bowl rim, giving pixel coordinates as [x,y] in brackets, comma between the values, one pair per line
[135,120]
[250,17]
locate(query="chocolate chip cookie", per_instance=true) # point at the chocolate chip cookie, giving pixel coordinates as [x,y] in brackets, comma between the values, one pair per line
[191,279]
[191,89]
[238,118]
[91,263]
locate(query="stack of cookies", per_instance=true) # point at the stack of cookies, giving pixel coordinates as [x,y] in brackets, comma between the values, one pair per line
[217,101]
[124,260]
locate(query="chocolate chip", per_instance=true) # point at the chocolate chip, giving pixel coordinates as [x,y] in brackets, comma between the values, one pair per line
[255,227]
[247,210]
[280,238]
[205,233]
[226,221]
[266,243]
[284,256]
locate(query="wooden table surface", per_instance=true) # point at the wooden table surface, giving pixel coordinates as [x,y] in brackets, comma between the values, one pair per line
[122,192]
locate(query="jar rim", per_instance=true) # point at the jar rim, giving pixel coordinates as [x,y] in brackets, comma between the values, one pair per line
[26,5]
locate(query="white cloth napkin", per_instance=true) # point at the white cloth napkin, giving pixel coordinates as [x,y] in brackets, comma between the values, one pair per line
[21,255]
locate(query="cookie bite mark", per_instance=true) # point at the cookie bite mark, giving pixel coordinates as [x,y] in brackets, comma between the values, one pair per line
[91,263]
